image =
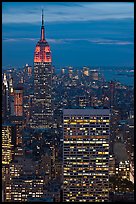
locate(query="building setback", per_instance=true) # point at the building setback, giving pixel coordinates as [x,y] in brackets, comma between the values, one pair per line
[86,155]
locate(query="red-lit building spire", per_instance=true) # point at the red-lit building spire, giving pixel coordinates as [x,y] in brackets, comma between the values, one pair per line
[42,18]
[42,28]
[42,51]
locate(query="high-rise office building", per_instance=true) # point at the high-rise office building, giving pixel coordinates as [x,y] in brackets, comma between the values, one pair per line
[17,113]
[86,155]
[18,101]
[8,142]
[8,145]
[23,187]
[5,97]
[28,70]
[18,121]
[42,112]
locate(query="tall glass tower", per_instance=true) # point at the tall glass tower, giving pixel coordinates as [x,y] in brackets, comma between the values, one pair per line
[42,104]
[86,155]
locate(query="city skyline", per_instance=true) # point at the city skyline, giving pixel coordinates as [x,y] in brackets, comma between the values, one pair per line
[105,28]
[67,129]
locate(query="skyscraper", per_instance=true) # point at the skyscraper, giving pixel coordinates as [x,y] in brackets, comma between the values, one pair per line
[86,155]
[8,145]
[4,101]
[8,142]
[18,101]
[42,112]
[5,97]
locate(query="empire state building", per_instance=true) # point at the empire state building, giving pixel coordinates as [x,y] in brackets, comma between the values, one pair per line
[42,107]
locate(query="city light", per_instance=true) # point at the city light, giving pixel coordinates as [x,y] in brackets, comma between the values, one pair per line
[67,127]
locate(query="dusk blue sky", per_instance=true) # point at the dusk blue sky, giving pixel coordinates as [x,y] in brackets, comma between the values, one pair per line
[79,33]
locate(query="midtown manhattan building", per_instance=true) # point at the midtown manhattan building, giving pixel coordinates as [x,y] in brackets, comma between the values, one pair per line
[86,155]
[42,103]
[8,142]
[18,101]
[5,97]
[8,145]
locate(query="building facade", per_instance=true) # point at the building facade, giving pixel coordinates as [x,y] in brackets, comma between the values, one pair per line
[8,145]
[8,142]
[18,101]
[86,155]
[5,98]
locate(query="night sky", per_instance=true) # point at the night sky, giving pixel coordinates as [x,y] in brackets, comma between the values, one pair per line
[79,33]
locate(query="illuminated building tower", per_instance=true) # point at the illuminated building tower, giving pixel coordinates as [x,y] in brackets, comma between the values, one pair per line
[10,84]
[85,71]
[11,95]
[5,98]
[17,113]
[8,144]
[28,70]
[42,112]
[18,121]
[86,155]
[18,101]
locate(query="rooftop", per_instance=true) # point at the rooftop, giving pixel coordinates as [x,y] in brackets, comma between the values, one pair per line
[86,111]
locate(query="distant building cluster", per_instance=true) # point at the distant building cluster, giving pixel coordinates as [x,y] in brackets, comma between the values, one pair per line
[67,136]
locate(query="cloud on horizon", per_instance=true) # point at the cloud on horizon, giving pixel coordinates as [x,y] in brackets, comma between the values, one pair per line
[65,11]
[70,40]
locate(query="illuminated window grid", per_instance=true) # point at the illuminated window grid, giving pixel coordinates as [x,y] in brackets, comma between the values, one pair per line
[22,187]
[79,154]
[42,112]
[7,146]
[18,102]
